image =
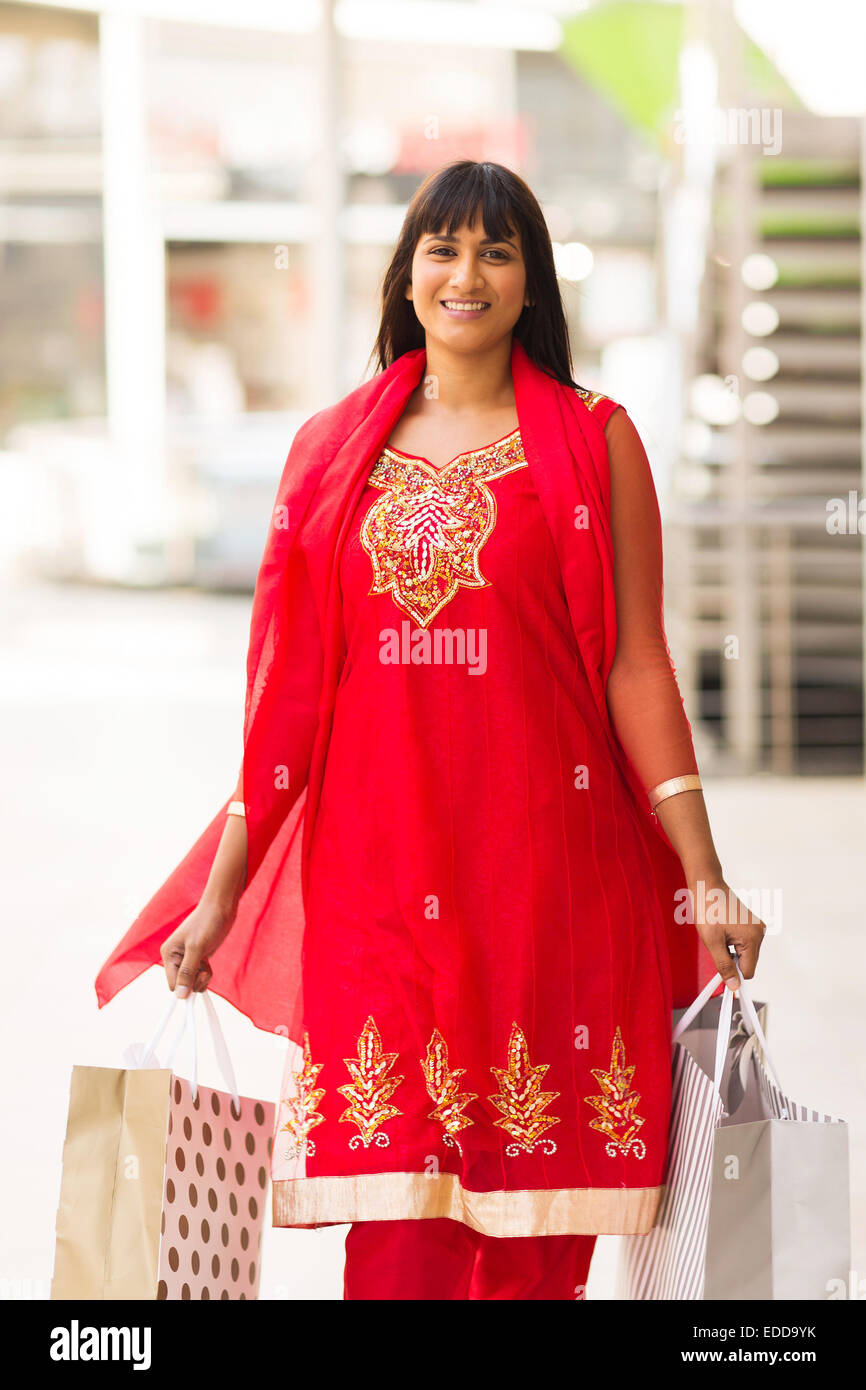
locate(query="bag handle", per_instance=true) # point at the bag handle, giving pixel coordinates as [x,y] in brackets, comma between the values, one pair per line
[723,1037]
[723,1034]
[189,1022]
[694,1009]
[750,1015]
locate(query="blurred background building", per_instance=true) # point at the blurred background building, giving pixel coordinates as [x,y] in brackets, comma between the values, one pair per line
[197,205]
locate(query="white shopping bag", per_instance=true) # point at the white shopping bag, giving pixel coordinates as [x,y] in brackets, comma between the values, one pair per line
[756,1186]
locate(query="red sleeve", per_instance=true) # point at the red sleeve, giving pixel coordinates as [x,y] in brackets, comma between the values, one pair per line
[643,697]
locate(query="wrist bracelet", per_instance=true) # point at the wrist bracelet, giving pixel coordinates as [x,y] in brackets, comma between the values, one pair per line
[689,782]
[236,808]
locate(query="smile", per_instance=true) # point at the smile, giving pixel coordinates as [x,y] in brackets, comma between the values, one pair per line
[465,306]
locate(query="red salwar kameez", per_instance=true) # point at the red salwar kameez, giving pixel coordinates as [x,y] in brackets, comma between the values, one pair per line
[489,950]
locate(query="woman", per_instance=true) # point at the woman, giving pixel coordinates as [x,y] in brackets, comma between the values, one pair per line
[459,685]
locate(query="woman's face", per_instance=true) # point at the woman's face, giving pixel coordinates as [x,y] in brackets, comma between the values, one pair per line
[469,269]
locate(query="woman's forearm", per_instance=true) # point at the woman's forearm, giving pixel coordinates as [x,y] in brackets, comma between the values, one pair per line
[647,714]
[227,878]
[228,875]
[185,952]
[683,817]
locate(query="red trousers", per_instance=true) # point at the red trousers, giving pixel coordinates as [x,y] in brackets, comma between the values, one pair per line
[439,1258]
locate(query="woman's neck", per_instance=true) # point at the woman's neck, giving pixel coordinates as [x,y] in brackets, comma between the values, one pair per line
[459,385]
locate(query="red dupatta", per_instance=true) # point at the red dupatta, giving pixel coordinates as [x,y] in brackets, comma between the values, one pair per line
[294,662]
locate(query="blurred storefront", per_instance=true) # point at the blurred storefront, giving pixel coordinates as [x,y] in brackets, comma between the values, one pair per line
[183,284]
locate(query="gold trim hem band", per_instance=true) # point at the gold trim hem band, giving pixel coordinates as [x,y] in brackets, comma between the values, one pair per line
[329,1201]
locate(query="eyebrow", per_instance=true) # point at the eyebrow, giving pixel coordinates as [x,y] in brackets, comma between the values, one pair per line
[486,241]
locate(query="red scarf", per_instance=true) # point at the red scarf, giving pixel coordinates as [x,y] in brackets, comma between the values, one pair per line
[294,661]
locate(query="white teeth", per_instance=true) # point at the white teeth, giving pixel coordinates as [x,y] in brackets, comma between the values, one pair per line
[458,304]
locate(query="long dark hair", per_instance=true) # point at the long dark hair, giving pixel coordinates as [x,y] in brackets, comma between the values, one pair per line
[446,199]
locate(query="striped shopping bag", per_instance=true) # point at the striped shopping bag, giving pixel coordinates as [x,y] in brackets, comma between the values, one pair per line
[668,1261]
[748,1211]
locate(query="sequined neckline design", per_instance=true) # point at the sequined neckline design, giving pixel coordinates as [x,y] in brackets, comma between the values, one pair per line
[425,533]
[469,453]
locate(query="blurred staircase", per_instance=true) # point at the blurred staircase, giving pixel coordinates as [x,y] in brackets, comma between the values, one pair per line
[766,598]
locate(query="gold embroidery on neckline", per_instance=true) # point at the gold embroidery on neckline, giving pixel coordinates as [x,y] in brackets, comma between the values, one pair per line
[425,533]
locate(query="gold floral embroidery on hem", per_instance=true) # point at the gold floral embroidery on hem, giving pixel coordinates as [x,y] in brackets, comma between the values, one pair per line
[521,1100]
[302,1107]
[617,1107]
[443,1087]
[370,1091]
[425,533]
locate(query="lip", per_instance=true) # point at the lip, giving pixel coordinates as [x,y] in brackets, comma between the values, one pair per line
[462,313]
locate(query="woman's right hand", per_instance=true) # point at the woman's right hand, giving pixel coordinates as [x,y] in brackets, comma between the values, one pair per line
[185,953]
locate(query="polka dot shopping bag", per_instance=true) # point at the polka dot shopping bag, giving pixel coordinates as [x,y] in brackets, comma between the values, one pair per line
[165,1182]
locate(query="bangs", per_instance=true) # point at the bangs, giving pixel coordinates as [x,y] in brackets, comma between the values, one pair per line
[458,196]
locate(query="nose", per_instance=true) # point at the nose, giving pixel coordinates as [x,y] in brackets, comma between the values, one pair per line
[466,274]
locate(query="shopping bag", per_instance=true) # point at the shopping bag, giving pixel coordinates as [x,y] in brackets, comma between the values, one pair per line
[779,1217]
[164,1182]
[668,1261]
[739,1213]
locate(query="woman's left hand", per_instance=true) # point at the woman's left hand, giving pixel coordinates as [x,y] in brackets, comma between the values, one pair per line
[723,920]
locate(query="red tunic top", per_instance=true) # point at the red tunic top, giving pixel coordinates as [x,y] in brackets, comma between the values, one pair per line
[487,1014]
[457,901]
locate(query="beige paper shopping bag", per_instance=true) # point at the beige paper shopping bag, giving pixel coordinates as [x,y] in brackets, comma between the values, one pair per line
[164,1182]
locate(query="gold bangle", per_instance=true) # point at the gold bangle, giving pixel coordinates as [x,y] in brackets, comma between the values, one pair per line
[236,808]
[689,782]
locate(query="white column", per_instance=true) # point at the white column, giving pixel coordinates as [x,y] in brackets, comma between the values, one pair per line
[741,676]
[134,278]
[327,252]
